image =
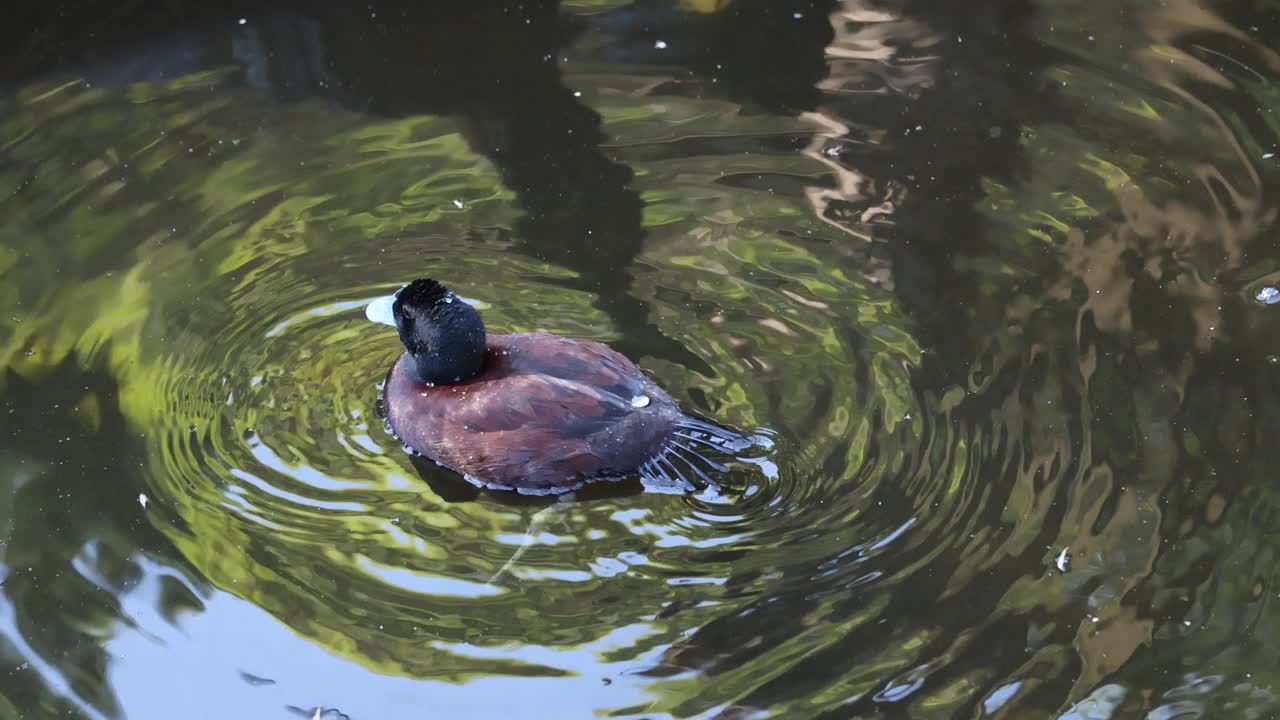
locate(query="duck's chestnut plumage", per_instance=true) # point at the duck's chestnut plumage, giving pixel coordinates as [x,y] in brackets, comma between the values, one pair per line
[545,413]
[532,412]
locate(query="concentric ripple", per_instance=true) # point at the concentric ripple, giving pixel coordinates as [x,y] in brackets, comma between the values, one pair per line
[255,377]
[945,534]
[249,368]
[268,446]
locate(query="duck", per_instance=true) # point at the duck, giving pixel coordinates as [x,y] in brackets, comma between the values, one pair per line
[532,412]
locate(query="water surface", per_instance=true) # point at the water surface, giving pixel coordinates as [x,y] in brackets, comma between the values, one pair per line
[985,277]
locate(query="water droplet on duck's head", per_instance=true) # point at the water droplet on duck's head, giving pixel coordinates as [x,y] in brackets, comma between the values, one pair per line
[640,401]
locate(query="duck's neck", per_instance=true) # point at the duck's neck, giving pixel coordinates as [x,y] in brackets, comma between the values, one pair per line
[443,368]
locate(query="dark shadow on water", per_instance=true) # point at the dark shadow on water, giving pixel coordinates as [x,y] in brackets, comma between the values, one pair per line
[732,52]
[443,482]
[452,488]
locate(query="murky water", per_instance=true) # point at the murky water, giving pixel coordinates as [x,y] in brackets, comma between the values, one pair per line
[991,278]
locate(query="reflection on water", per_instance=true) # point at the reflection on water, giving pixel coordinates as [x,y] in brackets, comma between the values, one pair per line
[984,275]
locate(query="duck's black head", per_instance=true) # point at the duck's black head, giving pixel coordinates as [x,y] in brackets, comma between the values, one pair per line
[443,335]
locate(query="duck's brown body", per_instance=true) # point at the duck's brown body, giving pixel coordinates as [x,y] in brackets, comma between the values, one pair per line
[545,414]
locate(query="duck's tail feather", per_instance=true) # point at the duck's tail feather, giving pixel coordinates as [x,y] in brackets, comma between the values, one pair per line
[683,464]
[656,479]
[693,466]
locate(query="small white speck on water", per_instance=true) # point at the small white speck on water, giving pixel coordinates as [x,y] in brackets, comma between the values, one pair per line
[243,21]
[142,500]
[640,401]
[577,93]
[661,45]
[1063,561]
[797,15]
[458,204]
[1268,156]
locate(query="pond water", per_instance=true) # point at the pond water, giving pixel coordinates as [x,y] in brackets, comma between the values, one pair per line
[994,279]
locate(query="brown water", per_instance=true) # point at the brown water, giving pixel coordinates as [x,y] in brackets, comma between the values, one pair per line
[984,275]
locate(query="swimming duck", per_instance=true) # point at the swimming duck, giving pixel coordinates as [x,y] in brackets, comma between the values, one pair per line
[532,412]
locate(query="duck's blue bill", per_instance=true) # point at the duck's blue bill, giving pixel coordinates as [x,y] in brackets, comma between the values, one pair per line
[379,310]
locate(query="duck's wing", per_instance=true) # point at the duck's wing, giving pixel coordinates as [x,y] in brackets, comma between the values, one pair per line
[537,432]
[581,361]
[570,409]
